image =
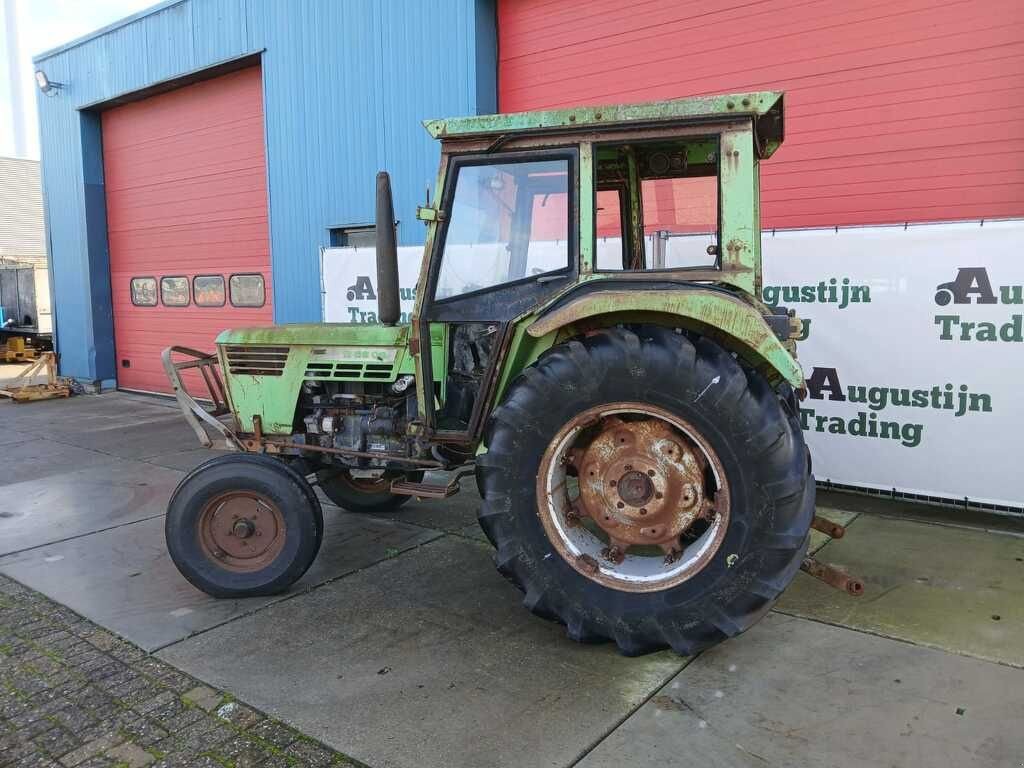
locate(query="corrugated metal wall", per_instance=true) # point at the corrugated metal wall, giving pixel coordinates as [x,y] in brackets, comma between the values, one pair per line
[346,84]
[900,110]
[21,212]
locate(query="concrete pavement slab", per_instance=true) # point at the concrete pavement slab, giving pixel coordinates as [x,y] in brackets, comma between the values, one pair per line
[130,435]
[39,460]
[795,693]
[84,410]
[35,512]
[428,659]
[124,580]
[10,436]
[947,587]
[186,460]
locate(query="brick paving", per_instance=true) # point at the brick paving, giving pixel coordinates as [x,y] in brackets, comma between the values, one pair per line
[75,696]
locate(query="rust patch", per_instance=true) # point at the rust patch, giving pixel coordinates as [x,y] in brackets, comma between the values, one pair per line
[832,576]
[642,483]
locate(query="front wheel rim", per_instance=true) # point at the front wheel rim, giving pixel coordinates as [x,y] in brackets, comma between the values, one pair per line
[633,497]
[241,531]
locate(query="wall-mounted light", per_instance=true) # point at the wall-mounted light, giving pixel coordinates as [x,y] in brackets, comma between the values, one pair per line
[46,85]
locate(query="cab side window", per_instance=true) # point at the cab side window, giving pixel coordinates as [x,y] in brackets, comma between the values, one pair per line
[657,205]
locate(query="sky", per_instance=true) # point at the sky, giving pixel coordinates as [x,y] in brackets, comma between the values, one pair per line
[41,25]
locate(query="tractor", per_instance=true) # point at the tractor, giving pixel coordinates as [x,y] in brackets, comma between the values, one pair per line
[630,415]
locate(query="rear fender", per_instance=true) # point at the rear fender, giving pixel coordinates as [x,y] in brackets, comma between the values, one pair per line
[719,315]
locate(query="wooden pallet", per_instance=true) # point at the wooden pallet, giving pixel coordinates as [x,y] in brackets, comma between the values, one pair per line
[53,388]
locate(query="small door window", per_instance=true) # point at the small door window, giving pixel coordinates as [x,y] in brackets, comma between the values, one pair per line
[208,290]
[143,291]
[247,290]
[174,291]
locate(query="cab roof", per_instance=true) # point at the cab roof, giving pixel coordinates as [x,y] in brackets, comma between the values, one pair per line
[764,107]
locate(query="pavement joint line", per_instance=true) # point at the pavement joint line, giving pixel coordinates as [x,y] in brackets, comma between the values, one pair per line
[685,662]
[78,536]
[903,640]
[947,524]
[79,447]
[299,593]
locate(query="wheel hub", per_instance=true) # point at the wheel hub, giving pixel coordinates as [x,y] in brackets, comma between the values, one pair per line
[642,483]
[242,531]
[244,528]
[635,488]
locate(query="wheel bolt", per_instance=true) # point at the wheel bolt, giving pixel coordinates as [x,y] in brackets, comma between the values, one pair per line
[620,505]
[650,473]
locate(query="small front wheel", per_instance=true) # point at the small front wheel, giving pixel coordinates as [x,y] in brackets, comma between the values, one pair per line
[243,525]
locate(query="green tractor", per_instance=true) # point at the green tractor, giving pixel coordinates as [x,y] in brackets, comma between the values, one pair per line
[632,424]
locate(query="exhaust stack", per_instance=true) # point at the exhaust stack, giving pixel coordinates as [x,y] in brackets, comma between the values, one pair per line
[388,307]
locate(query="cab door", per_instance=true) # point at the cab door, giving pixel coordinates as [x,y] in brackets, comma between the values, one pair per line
[507,243]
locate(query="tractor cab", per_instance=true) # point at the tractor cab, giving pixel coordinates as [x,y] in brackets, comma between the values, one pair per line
[537,210]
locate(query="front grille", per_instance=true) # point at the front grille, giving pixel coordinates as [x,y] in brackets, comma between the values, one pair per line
[256,361]
[349,370]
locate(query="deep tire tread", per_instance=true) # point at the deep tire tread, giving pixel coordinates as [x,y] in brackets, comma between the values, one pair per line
[568,378]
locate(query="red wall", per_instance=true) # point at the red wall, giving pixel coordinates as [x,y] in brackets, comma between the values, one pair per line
[899,110]
[185,177]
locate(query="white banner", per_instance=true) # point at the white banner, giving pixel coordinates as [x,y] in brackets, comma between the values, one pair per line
[914,348]
[914,353]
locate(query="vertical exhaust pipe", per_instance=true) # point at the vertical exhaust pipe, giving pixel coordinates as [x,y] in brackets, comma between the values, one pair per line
[388,306]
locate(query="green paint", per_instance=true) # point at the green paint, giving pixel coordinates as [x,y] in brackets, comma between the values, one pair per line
[765,107]
[587,212]
[325,352]
[736,323]
[739,243]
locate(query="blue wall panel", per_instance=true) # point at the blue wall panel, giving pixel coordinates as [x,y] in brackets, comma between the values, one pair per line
[346,86]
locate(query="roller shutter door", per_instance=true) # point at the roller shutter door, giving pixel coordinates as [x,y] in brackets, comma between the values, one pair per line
[185,180]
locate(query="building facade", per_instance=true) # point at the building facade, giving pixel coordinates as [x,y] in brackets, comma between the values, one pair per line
[198,155]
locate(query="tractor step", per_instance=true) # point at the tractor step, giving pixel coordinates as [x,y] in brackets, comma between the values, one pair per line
[432,490]
[424,490]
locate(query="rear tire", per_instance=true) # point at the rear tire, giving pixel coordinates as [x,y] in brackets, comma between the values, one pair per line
[243,525]
[735,412]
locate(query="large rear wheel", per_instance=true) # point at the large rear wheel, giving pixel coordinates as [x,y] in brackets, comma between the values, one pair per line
[645,488]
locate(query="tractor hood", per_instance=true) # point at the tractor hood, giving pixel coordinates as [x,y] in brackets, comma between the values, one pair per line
[316,334]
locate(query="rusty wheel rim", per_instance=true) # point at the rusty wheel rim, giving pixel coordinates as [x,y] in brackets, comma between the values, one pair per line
[633,497]
[380,484]
[241,531]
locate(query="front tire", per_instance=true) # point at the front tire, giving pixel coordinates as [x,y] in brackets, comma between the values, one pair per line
[243,525]
[754,463]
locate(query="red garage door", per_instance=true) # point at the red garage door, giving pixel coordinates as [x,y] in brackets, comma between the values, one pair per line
[185,176]
[896,110]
